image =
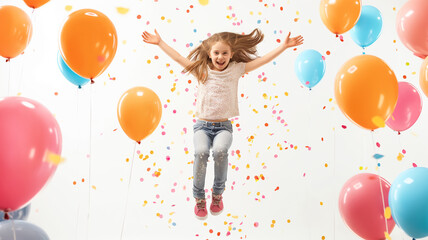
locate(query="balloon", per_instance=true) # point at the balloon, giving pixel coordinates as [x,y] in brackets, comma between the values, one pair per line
[23,230]
[339,16]
[35,3]
[29,136]
[361,206]
[309,67]
[88,42]
[139,111]
[411,26]
[408,199]
[21,214]
[368,28]
[423,76]
[69,74]
[15,31]
[408,108]
[366,89]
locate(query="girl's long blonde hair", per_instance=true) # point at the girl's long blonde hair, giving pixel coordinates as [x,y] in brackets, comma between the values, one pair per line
[243,47]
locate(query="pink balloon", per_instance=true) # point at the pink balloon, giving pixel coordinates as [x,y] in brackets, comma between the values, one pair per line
[408,108]
[29,133]
[411,26]
[361,207]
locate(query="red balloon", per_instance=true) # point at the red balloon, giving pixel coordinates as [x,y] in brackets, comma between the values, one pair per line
[29,137]
[361,207]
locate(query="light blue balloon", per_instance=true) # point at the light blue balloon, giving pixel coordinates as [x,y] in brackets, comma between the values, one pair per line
[368,28]
[23,231]
[69,74]
[408,200]
[21,214]
[309,67]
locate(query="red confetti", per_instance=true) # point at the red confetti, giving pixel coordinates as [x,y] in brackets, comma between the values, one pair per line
[378,144]
[277,188]
[403,151]
[343,126]
[414,165]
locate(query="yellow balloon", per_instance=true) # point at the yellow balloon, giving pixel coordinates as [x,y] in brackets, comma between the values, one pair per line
[139,112]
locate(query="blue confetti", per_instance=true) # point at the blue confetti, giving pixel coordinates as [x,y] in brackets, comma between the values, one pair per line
[378,156]
[259,21]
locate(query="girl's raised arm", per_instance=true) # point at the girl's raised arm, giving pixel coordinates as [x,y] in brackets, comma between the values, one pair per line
[157,40]
[288,42]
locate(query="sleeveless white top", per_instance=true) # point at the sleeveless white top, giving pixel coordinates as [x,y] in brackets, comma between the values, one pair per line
[218,97]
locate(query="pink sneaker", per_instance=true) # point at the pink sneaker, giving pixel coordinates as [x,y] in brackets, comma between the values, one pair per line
[216,205]
[201,209]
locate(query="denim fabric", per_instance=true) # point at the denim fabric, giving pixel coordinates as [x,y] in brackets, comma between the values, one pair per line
[207,135]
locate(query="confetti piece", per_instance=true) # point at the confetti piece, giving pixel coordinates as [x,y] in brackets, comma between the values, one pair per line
[414,165]
[122,10]
[377,156]
[400,156]
[343,126]
[203,2]
[54,158]
[378,121]
[68,8]
[387,236]
[387,212]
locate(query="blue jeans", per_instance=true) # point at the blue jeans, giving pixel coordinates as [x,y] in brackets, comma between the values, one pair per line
[207,135]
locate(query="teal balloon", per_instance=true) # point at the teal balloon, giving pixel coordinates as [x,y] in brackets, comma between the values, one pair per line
[309,67]
[367,30]
[69,74]
[408,200]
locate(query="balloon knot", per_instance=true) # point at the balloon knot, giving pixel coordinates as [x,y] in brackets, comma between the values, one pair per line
[80,87]
[399,132]
[7,59]
[138,142]
[6,216]
[92,81]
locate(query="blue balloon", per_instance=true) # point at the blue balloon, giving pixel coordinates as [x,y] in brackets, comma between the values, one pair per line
[408,200]
[309,67]
[21,214]
[23,231]
[367,30]
[69,74]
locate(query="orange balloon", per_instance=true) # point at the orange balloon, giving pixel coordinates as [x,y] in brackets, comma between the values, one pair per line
[35,3]
[423,76]
[139,111]
[88,42]
[339,16]
[366,91]
[15,31]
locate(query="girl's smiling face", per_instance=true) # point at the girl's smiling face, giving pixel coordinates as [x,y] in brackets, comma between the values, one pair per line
[220,55]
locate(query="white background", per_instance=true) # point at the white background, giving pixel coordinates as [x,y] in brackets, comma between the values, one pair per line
[306,204]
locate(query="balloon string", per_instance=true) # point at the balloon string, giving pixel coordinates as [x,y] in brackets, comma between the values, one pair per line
[127,194]
[8,83]
[380,185]
[90,158]
[13,230]
[77,153]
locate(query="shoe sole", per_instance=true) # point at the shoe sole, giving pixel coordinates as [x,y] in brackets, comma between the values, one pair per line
[201,218]
[216,213]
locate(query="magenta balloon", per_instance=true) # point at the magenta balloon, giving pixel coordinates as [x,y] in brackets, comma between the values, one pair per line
[408,108]
[29,133]
[361,207]
[411,26]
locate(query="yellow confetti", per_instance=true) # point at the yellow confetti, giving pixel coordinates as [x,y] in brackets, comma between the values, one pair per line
[93,187]
[400,156]
[54,158]
[378,121]
[68,8]
[387,212]
[203,2]
[122,10]
[387,236]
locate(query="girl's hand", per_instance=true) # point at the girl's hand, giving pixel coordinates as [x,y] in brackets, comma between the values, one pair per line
[295,41]
[150,38]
